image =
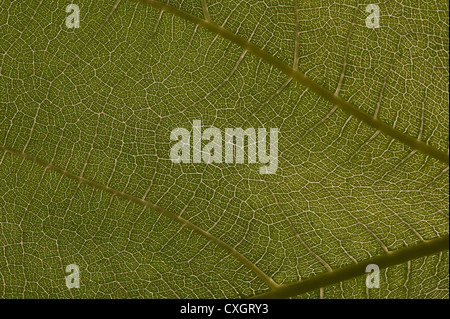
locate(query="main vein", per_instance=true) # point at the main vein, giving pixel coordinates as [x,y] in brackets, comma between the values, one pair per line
[389,259]
[304,80]
[185,223]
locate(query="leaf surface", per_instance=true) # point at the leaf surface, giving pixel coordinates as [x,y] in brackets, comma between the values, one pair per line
[86,177]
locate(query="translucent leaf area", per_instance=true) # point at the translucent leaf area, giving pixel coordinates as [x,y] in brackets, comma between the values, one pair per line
[86,178]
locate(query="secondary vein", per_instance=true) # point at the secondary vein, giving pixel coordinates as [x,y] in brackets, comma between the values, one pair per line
[185,223]
[304,80]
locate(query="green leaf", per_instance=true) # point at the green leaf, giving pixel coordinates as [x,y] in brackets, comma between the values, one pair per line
[86,176]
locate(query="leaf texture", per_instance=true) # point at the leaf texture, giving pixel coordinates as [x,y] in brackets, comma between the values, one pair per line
[85,173]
